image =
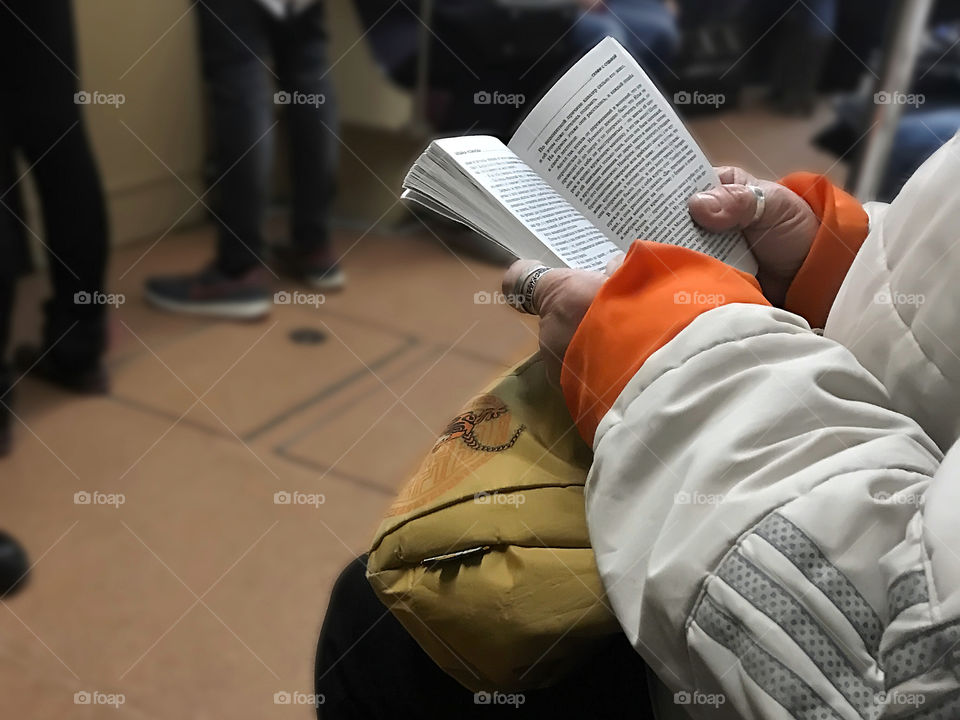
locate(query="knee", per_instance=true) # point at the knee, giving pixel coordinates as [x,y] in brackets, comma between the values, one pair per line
[350,592]
[591,28]
[655,34]
[350,584]
[242,81]
[308,77]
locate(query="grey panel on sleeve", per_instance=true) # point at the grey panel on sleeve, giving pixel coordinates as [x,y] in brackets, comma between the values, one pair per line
[777,680]
[797,547]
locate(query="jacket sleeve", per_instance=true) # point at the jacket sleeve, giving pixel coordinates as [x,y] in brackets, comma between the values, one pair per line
[748,479]
[844,225]
[896,310]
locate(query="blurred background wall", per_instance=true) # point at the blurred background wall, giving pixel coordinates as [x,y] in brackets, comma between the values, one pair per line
[147,159]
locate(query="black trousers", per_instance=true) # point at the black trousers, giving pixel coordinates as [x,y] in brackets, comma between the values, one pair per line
[256,64]
[40,118]
[368,667]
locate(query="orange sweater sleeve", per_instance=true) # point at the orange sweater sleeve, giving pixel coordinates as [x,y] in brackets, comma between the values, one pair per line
[656,293]
[843,228]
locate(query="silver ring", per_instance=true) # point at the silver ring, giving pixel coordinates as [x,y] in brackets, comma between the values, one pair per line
[525,288]
[761,203]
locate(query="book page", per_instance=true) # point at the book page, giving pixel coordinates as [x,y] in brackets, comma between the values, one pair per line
[551,220]
[608,141]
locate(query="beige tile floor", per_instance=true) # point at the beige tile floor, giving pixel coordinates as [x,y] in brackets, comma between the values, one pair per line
[199,597]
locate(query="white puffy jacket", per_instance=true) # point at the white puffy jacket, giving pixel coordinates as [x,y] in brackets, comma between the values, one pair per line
[772,515]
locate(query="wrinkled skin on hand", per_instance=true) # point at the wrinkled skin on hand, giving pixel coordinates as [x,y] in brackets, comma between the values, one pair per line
[780,240]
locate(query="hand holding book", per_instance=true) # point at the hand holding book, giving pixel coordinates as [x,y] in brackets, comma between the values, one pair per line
[601,161]
[561,300]
[780,239]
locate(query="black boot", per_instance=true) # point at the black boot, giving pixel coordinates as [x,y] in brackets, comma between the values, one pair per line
[13,565]
[40,363]
[6,417]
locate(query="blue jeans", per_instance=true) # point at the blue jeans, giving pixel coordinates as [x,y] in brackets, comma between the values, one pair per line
[812,18]
[238,39]
[646,28]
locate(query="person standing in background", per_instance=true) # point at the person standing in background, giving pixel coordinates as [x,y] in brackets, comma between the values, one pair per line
[806,30]
[238,38]
[40,118]
[646,28]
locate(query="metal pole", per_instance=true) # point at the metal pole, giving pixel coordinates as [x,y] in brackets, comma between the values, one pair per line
[901,47]
[421,96]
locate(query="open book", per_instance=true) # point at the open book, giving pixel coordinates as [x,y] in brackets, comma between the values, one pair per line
[601,161]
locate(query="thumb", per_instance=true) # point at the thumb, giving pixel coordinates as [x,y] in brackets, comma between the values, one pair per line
[727,207]
[730,207]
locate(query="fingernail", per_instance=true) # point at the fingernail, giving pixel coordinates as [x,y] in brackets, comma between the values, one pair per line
[709,202]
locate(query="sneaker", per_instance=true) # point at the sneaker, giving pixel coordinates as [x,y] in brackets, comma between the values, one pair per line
[315,268]
[211,292]
[39,363]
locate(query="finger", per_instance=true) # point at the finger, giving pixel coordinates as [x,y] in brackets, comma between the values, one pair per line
[519,271]
[730,175]
[514,273]
[614,264]
[547,292]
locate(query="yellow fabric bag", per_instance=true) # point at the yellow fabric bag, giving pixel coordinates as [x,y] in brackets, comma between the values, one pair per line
[484,556]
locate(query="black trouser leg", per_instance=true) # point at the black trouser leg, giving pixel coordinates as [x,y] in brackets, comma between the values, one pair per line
[300,47]
[369,668]
[38,59]
[235,47]
[11,247]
